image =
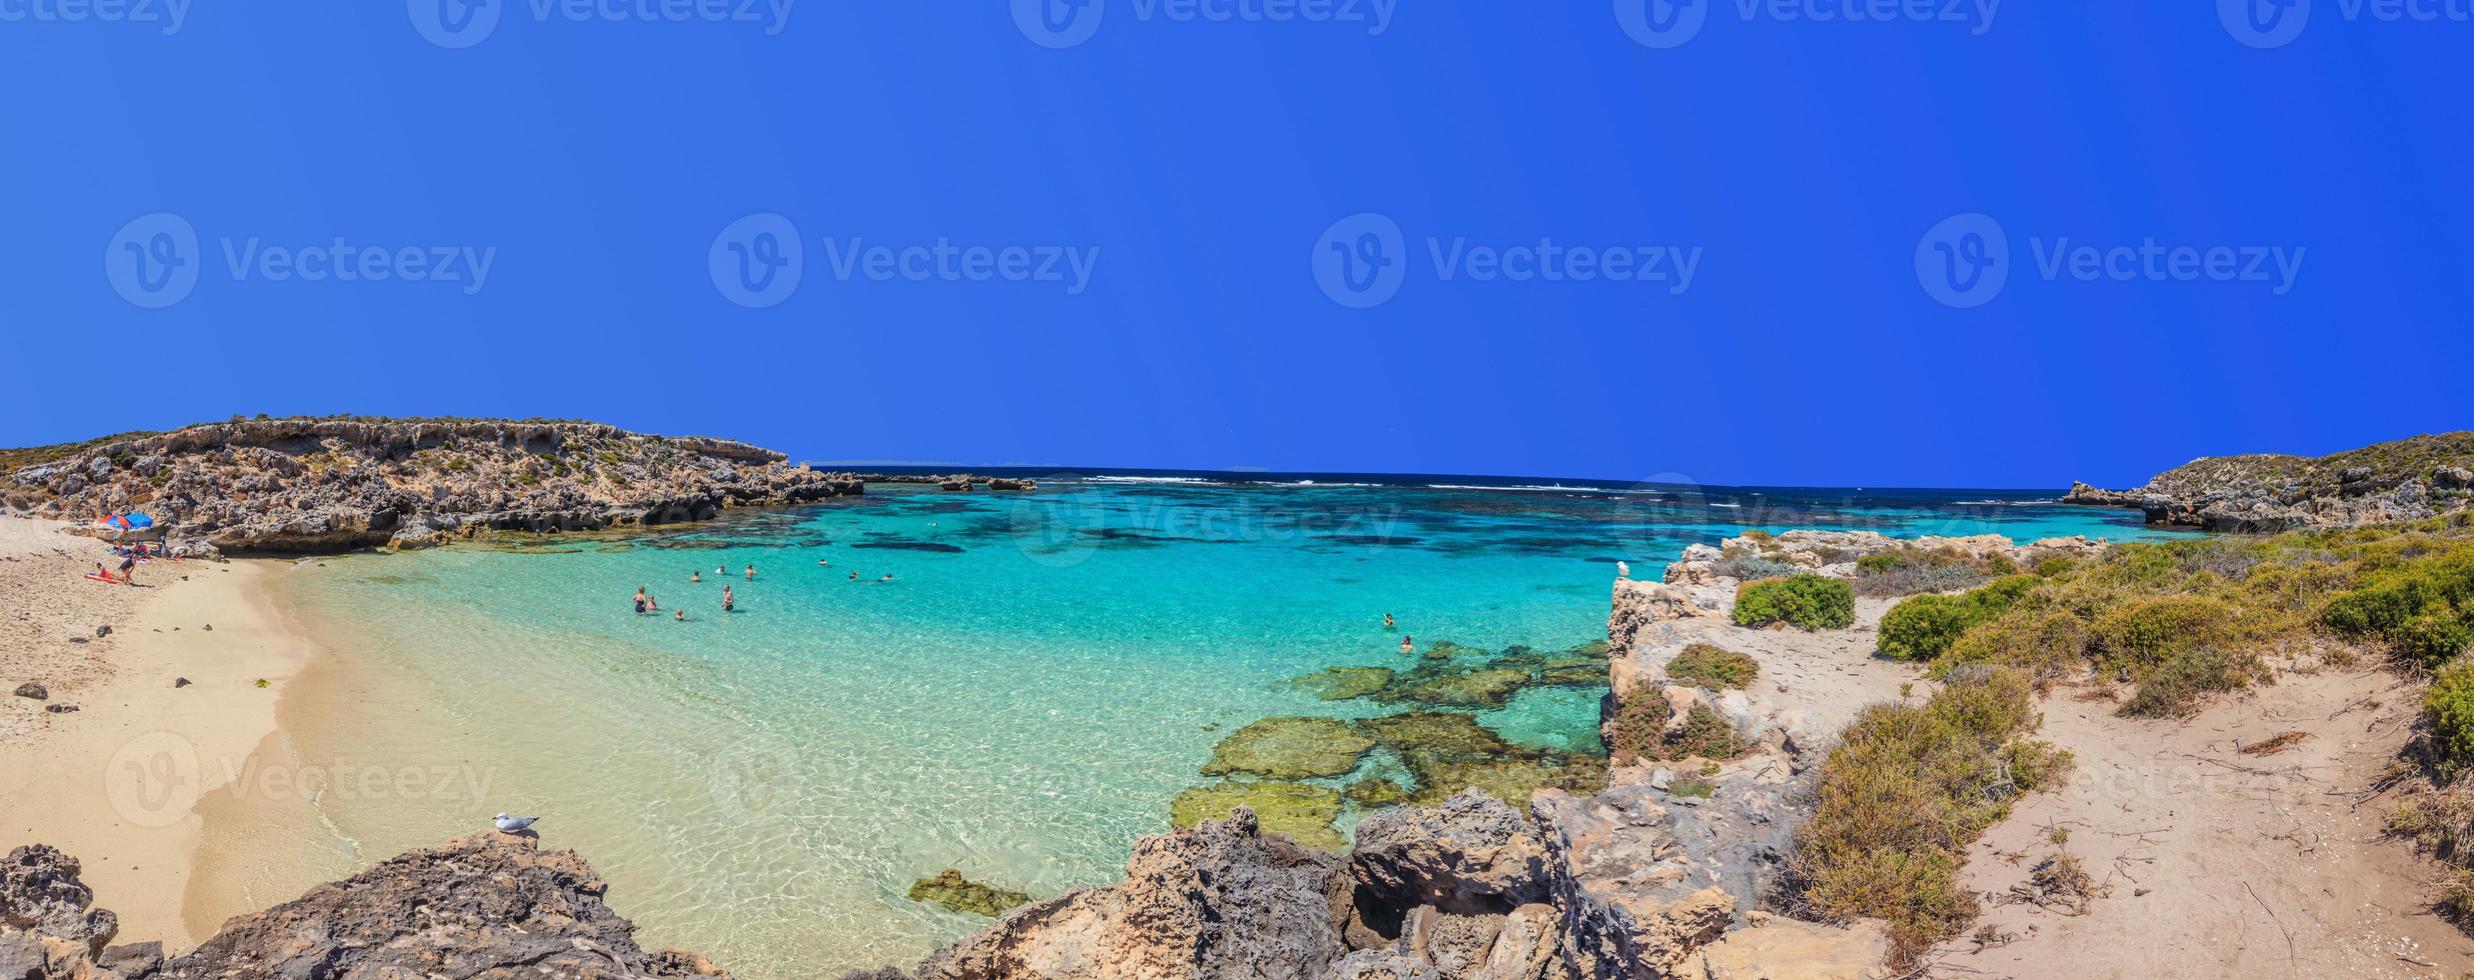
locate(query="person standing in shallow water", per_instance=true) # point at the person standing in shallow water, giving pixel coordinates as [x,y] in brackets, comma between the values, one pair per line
[695,576]
[728,600]
[1408,645]
[751,573]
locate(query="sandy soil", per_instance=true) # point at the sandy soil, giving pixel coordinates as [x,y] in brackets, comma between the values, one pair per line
[2218,863]
[115,782]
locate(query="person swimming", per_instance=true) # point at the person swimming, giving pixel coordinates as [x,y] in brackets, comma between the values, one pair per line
[680,616]
[820,563]
[854,575]
[1387,620]
[751,573]
[888,578]
[695,576]
[1408,645]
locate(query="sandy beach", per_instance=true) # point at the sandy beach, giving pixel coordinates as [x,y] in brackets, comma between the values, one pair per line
[116,781]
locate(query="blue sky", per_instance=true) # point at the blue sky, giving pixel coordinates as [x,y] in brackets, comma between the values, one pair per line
[1819,242]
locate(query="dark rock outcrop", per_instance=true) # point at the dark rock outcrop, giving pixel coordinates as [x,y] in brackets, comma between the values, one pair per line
[1218,900]
[489,906]
[2410,479]
[485,905]
[328,485]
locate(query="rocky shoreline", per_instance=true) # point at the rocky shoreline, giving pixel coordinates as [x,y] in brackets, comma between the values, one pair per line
[311,486]
[2411,479]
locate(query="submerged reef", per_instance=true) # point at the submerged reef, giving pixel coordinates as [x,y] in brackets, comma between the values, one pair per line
[1302,811]
[1289,748]
[949,889]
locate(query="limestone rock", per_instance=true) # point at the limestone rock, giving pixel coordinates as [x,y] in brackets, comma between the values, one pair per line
[1472,854]
[41,897]
[33,690]
[1785,949]
[1638,604]
[485,905]
[1219,900]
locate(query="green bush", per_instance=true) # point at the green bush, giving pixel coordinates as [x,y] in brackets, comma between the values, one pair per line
[1905,792]
[1923,627]
[1640,721]
[2141,634]
[2175,688]
[2424,609]
[2448,708]
[2047,643]
[1807,602]
[1706,665]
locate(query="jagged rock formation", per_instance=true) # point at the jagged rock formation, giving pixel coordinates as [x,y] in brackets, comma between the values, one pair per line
[488,906]
[2409,479]
[326,485]
[1630,885]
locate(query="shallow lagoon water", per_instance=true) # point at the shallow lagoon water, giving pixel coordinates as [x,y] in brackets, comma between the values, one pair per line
[1044,672]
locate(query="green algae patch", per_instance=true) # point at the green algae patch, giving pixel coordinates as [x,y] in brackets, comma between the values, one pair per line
[1446,650]
[1485,687]
[1449,752]
[1572,672]
[1344,683]
[1289,748]
[1373,792]
[1302,811]
[960,894]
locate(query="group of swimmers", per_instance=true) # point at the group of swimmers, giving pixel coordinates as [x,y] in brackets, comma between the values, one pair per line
[645,603]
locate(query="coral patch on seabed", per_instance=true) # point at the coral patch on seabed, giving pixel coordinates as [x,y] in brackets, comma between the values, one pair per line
[949,889]
[1302,811]
[1289,748]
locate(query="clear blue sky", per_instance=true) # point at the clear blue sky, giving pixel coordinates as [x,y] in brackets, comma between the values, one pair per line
[1201,160]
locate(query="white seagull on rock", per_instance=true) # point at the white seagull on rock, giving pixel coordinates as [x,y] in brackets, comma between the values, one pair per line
[514,824]
[1623,569]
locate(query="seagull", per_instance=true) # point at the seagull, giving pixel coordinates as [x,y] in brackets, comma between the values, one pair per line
[514,824]
[1623,570]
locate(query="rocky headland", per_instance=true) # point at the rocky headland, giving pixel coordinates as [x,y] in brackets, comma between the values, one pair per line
[489,906]
[2410,479]
[321,485]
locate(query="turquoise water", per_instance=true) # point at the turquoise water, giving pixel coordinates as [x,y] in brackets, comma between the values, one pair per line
[1043,673]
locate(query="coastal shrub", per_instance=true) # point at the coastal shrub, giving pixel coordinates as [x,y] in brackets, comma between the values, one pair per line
[2140,635]
[1901,797]
[1640,720]
[1909,571]
[2175,688]
[2423,609]
[1923,627]
[2448,713]
[1806,602]
[2046,643]
[1707,665]
[1639,732]
[1751,567]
